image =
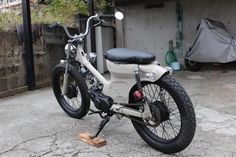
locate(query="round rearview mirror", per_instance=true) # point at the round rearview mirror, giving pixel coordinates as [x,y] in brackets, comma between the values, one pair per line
[119,15]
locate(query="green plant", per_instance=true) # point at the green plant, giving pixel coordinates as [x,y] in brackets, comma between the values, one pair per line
[64,10]
[55,11]
[9,20]
[102,6]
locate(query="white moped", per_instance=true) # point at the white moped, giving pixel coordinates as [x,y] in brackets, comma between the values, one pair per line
[139,89]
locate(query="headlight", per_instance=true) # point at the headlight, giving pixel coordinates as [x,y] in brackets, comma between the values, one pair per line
[70,50]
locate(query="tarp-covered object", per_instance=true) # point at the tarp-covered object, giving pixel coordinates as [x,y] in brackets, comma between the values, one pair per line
[213,43]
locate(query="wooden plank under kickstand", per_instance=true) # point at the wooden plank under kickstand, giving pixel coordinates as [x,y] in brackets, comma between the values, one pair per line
[97,142]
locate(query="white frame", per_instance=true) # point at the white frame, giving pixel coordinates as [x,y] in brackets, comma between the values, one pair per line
[122,77]
[122,81]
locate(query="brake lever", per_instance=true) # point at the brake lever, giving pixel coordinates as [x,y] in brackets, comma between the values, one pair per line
[103,22]
[54,25]
[97,24]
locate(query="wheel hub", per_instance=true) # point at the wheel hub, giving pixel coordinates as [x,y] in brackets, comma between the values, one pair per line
[159,112]
[71,91]
[165,114]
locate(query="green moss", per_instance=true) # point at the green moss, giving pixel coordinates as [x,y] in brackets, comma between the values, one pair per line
[9,20]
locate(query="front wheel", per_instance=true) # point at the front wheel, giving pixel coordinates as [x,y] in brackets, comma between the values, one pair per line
[173,124]
[75,102]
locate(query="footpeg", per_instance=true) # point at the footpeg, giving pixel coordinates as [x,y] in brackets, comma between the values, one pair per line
[97,112]
[94,112]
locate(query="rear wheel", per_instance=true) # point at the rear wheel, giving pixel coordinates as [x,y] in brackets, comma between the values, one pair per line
[173,125]
[192,65]
[75,102]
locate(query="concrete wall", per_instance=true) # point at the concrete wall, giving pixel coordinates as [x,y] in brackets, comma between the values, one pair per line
[151,29]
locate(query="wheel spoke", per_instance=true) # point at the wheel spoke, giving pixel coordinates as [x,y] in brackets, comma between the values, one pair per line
[170,128]
[173,114]
[78,101]
[144,91]
[173,128]
[75,102]
[149,95]
[164,132]
[153,91]
[168,135]
[156,91]
[172,110]
[177,117]
[168,100]
[149,91]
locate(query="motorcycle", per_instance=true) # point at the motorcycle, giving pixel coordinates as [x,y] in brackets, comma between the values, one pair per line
[139,89]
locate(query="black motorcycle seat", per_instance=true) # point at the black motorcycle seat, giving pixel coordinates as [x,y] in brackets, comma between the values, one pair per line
[128,56]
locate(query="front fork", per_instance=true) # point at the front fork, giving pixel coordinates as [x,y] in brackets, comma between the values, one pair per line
[66,75]
[65,80]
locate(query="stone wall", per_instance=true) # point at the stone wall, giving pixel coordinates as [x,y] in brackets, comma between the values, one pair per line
[12,67]
[48,50]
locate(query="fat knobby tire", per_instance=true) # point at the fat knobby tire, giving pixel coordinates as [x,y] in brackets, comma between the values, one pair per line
[85,101]
[188,120]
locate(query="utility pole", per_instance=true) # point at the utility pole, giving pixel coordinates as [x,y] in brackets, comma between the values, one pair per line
[28,45]
[92,30]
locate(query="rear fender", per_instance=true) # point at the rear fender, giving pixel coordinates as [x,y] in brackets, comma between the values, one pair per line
[152,72]
[123,79]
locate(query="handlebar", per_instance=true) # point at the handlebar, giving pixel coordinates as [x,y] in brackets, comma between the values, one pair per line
[106,16]
[82,35]
[55,25]
[95,17]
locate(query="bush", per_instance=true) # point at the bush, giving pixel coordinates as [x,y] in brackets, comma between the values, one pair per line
[54,11]
[9,21]
[64,10]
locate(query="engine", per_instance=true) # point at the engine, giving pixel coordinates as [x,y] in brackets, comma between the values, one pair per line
[101,101]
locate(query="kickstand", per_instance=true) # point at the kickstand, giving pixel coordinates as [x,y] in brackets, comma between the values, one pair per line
[101,126]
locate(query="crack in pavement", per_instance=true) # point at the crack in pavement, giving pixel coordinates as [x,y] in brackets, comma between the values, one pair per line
[46,153]
[23,142]
[53,143]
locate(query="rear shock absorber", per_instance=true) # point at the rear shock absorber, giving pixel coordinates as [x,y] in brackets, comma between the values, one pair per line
[138,94]
[139,97]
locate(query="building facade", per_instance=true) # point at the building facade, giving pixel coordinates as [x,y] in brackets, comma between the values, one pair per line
[9,3]
[150,25]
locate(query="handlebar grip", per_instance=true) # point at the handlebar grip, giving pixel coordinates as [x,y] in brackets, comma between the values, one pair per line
[52,26]
[106,16]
